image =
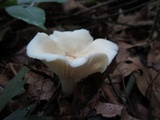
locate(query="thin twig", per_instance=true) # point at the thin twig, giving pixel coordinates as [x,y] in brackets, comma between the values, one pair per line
[123,12]
[113,87]
[95,7]
[151,83]
[121,5]
[43,74]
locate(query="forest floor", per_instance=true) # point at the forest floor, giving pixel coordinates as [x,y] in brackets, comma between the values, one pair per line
[130,92]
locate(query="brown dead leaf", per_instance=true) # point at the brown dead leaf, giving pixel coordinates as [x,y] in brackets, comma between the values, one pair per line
[126,116]
[126,63]
[148,82]
[108,109]
[141,111]
[154,54]
[123,54]
[39,87]
[20,57]
[136,19]
[65,106]
[142,79]
[125,68]
[112,98]
[153,94]
[88,110]
[3,80]
[71,5]
[155,100]
[145,78]
[129,64]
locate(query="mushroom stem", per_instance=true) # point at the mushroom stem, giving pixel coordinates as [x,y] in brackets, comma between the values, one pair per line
[68,86]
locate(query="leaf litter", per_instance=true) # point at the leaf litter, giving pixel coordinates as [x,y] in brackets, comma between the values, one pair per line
[99,96]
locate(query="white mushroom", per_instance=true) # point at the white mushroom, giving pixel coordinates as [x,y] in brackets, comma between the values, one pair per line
[72,55]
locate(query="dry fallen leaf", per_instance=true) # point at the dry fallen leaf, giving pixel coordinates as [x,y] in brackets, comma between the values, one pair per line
[108,109]
[154,54]
[3,80]
[148,82]
[126,116]
[126,63]
[70,5]
[130,65]
[153,94]
[135,19]
[109,92]
[141,111]
[143,79]
[39,87]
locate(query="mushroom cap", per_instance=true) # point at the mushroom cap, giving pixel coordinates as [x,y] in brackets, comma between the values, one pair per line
[72,55]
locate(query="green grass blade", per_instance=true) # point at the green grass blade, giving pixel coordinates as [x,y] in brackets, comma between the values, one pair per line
[13,88]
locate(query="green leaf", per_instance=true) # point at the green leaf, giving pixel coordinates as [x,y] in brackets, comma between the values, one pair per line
[13,88]
[18,114]
[37,118]
[30,14]
[32,1]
